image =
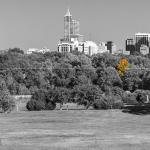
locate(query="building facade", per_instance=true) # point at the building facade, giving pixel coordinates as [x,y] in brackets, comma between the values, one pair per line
[141,39]
[111,47]
[130,45]
[90,48]
[71,27]
[72,39]
[102,48]
[144,49]
[36,50]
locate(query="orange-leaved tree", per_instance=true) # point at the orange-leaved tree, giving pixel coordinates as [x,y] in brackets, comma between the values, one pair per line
[122,66]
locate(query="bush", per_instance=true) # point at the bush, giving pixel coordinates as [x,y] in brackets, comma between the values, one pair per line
[86,94]
[141,95]
[37,101]
[30,105]
[39,105]
[129,98]
[117,91]
[43,100]
[101,104]
[50,106]
[117,102]
[39,95]
[7,105]
[108,102]
[34,105]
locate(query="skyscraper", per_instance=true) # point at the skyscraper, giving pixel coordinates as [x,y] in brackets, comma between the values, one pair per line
[72,39]
[142,39]
[71,27]
[67,25]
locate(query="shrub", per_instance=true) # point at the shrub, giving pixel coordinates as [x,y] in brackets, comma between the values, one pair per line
[117,91]
[141,95]
[50,106]
[86,94]
[39,105]
[116,102]
[31,105]
[34,105]
[101,103]
[39,95]
[43,100]
[7,105]
[108,102]
[129,98]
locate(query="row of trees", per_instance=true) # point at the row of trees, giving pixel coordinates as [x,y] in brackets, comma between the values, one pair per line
[99,81]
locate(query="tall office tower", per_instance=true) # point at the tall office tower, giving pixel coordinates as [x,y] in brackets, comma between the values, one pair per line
[75,27]
[142,39]
[67,25]
[71,27]
[130,46]
[72,40]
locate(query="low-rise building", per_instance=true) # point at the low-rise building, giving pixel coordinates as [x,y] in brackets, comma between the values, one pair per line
[102,48]
[111,47]
[90,48]
[144,49]
[36,50]
[31,50]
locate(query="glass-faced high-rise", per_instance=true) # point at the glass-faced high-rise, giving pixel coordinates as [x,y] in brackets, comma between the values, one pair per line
[72,39]
[67,25]
[71,27]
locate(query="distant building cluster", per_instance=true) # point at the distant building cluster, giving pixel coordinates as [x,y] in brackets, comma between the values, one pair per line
[74,41]
[140,43]
[36,50]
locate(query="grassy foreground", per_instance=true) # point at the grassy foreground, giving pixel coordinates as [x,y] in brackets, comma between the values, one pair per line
[74,130]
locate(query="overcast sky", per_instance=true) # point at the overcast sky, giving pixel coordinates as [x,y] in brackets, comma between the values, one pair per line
[39,23]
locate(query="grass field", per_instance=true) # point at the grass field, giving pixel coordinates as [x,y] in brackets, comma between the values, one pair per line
[74,130]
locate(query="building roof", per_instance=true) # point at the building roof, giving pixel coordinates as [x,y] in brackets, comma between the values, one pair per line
[142,34]
[90,43]
[68,13]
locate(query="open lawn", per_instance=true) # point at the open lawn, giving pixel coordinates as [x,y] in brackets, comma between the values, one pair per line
[74,130]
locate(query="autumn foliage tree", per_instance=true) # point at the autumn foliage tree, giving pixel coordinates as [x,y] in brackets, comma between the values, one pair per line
[122,66]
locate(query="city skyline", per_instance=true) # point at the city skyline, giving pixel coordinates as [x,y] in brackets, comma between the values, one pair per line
[37,23]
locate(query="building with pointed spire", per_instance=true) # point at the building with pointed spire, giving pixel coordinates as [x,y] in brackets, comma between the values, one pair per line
[72,40]
[71,27]
[67,25]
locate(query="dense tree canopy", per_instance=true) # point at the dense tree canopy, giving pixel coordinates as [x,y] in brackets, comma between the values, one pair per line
[72,77]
